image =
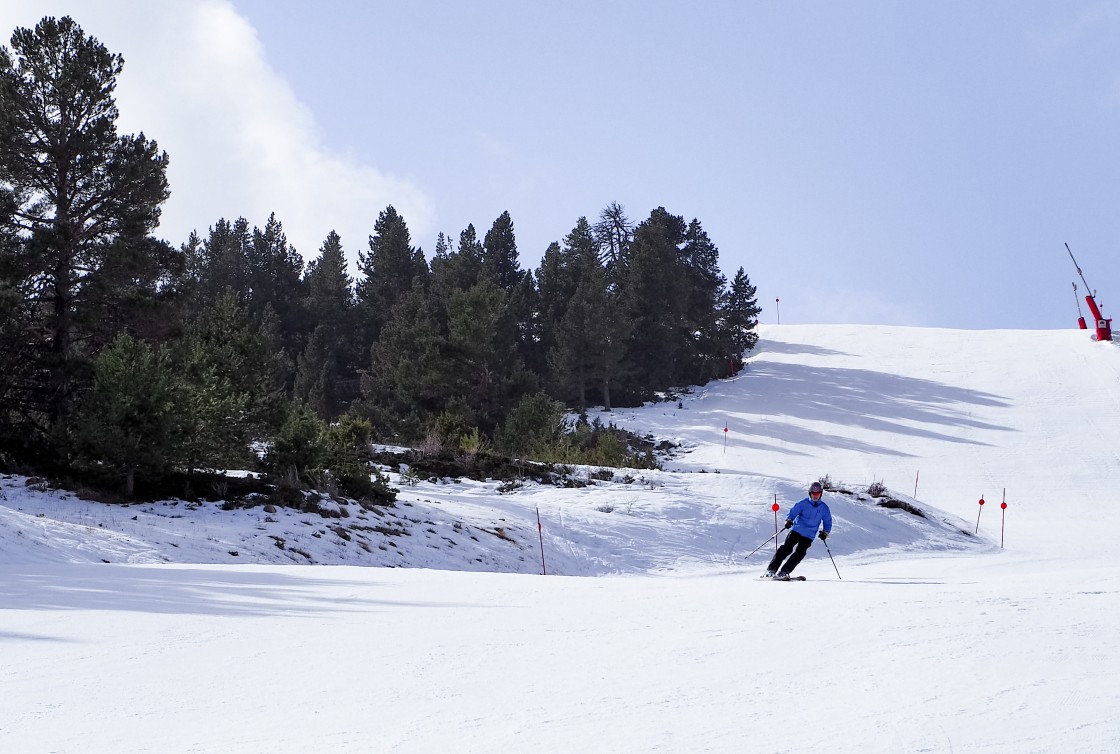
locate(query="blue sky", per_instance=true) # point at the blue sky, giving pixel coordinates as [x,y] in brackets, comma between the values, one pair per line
[887,162]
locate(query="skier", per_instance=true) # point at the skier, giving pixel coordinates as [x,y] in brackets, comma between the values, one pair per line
[804,519]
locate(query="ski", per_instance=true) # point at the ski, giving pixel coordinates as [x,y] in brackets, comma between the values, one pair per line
[787,578]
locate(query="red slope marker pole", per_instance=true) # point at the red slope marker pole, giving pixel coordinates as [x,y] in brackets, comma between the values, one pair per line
[1002,517]
[978,515]
[775,508]
[725,437]
[540,535]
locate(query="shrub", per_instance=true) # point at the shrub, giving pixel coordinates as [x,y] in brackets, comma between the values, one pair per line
[297,445]
[306,451]
[534,427]
[901,505]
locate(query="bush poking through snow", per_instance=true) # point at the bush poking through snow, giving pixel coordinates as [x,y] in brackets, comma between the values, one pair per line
[892,503]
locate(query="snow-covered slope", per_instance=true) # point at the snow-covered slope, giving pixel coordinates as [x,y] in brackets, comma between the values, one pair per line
[935,639]
[964,414]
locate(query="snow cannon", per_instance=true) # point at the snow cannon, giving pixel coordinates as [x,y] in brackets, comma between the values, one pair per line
[1104,326]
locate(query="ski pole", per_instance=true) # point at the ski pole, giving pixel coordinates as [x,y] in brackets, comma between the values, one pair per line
[831,558]
[773,536]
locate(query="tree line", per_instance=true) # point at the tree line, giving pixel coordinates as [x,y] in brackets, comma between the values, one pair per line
[122,352]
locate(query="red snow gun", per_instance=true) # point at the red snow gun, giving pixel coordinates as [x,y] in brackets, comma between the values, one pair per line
[1104,326]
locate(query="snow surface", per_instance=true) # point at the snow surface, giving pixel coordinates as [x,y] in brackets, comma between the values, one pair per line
[179,627]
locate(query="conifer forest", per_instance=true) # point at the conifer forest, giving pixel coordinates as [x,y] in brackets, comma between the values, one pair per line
[142,365]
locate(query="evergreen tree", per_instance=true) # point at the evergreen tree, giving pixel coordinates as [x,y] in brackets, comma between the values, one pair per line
[330,289]
[534,428]
[276,282]
[499,254]
[231,389]
[559,276]
[553,293]
[489,375]
[614,232]
[326,374]
[524,312]
[707,342]
[586,349]
[387,271]
[320,376]
[409,381]
[221,265]
[741,316]
[127,417]
[652,297]
[458,269]
[22,424]
[82,194]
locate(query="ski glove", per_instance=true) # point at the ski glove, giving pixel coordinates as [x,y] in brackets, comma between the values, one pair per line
[788,523]
[823,535]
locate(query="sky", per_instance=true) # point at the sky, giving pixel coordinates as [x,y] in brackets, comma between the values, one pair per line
[167,626]
[864,162]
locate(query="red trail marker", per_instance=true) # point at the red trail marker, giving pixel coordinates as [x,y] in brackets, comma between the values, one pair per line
[775,507]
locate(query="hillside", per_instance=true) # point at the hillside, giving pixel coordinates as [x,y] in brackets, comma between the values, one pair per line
[935,638]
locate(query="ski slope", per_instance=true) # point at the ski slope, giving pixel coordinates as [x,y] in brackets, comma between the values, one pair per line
[135,629]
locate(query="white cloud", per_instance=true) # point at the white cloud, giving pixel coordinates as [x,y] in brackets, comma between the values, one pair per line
[198,81]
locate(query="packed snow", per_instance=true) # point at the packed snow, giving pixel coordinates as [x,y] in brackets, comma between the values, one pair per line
[937,624]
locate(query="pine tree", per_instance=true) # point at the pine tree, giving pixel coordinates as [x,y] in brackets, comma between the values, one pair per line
[524,307]
[559,277]
[584,341]
[488,372]
[23,425]
[707,339]
[741,315]
[614,232]
[387,271]
[222,264]
[319,374]
[326,373]
[330,289]
[652,297]
[458,269]
[126,420]
[409,379]
[231,386]
[499,253]
[82,194]
[276,282]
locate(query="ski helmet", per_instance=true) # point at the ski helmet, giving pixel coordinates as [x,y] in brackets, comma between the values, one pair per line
[815,487]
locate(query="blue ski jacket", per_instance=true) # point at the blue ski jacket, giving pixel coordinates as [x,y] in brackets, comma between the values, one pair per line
[807,516]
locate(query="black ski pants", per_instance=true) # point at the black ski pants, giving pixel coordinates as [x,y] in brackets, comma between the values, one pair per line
[791,551]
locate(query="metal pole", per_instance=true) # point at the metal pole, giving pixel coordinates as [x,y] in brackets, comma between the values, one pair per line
[773,536]
[540,535]
[831,558]
[1076,267]
[775,508]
